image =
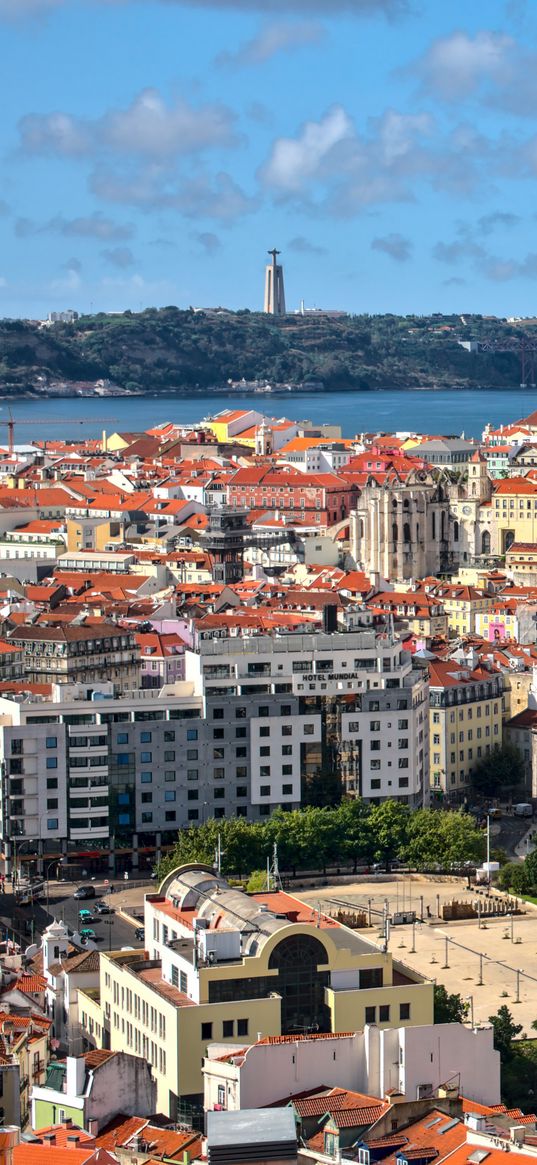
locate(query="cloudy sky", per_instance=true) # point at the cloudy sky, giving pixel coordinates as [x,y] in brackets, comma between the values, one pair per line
[152,150]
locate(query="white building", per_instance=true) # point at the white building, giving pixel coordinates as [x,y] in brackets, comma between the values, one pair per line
[415,1061]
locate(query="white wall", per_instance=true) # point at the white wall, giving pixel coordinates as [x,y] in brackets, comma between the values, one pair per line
[371,1062]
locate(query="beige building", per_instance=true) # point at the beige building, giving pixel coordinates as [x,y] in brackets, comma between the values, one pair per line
[466,706]
[221,965]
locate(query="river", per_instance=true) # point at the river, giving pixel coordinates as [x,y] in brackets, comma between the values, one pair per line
[443,411]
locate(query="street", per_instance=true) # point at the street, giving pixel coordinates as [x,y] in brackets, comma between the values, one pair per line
[26,923]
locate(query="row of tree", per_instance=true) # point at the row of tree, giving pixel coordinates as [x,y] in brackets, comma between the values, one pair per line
[350,834]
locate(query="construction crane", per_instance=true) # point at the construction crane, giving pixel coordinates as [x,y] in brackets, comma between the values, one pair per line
[49,421]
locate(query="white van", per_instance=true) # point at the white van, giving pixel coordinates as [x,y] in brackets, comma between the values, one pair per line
[524,809]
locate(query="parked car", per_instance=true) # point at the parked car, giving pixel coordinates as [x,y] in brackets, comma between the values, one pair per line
[87,933]
[84,892]
[140,933]
[103,908]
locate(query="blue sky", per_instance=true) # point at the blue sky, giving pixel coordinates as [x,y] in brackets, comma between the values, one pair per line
[152,150]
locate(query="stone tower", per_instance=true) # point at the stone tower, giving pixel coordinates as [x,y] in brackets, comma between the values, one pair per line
[274,289]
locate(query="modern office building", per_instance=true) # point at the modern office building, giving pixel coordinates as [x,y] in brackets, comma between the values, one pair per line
[221,965]
[105,781]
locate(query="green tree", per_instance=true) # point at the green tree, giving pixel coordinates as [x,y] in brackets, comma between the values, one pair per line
[505,1030]
[389,823]
[501,770]
[354,830]
[448,1008]
[513,877]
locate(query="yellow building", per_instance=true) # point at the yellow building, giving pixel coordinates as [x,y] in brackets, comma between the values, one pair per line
[93,533]
[462,604]
[514,513]
[222,965]
[465,722]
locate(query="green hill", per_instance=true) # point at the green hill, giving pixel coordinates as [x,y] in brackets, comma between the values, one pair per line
[168,350]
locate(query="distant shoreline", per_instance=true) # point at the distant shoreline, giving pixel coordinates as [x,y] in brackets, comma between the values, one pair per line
[227,391]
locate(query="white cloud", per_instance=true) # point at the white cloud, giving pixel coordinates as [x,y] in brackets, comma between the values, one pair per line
[147,128]
[10,9]
[294,161]
[121,257]
[455,66]
[216,197]
[92,226]
[277,37]
[394,245]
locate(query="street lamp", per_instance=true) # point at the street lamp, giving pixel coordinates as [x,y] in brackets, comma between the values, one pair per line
[16,851]
[56,862]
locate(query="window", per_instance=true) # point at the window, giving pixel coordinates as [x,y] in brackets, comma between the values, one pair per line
[170,815]
[370,978]
[52,762]
[219,794]
[52,783]
[218,713]
[228,1028]
[375,783]
[374,725]
[219,753]
[309,729]
[242,1027]
[169,775]
[192,774]
[192,734]
[264,750]
[193,815]
[370,1015]
[145,738]
[287,750]
[263,710]
[191,754]
[52,741]
[169,736]
[206,1031]
[287,770]
[403,782]
[287,790]
[287,729]
[264,771]
[123,758]
[170,794]
[219,774]
[123,738]
[264,730]
[192,795]
[240,733]
[403,762]
[52,823]
[264,791]
[169,755]
[52,803]
[147,818]
[384,1013]
[404,1011]
[146,778]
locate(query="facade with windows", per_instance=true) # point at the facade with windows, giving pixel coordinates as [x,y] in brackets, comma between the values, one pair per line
[222,965]
[465,722]
[106,781]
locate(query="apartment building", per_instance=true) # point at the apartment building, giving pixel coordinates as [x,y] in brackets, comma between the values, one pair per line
[224,965]
[106,780]
[466,707]
[348,701]
[66,653]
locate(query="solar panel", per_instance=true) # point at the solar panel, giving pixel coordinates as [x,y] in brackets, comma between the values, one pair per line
[434,1121]
[478,1156]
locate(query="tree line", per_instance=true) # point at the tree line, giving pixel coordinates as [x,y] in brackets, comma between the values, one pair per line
[351,834]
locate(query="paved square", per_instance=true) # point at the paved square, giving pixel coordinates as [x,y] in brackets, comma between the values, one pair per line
[506,945]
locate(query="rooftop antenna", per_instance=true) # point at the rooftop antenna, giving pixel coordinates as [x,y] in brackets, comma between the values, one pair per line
[218,855]
[274,881]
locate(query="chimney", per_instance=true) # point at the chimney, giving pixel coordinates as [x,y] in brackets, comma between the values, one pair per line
[93,1126]
[72,1141]
[49,1138]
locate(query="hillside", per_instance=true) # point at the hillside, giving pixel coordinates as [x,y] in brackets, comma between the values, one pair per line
[168,350]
